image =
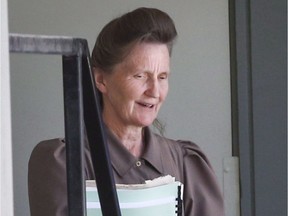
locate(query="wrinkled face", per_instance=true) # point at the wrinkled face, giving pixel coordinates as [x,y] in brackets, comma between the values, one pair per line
[135,90]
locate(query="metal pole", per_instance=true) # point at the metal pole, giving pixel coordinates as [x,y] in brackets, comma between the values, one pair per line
[98,146]
[72,71]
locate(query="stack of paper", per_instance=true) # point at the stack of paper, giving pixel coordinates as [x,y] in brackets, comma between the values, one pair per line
[158,197]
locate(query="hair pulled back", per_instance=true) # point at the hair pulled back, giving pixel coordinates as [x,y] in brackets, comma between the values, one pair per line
[118,37]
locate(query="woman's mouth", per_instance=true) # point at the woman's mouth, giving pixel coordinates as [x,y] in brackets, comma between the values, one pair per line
[146,105]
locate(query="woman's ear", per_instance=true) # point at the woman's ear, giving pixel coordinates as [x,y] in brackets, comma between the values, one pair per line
[99,80]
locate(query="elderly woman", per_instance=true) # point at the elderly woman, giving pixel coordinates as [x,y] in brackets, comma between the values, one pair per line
[131,64]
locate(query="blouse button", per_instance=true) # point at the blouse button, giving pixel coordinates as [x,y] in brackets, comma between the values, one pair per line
[138,163]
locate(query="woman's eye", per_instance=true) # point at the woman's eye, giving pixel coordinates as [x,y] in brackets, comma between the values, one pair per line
[139,76]
[163,76]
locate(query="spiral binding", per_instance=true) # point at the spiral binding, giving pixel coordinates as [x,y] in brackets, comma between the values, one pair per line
[179,202]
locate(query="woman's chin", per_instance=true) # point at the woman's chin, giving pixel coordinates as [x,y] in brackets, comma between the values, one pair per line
[145,122]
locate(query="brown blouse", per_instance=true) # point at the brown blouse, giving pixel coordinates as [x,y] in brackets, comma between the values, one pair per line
[181,159]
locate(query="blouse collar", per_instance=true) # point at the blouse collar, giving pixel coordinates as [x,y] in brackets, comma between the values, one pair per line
[122,160]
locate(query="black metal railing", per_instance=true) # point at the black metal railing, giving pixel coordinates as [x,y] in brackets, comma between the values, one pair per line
[82,112]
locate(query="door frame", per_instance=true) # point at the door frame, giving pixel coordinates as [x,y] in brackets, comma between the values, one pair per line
[258,52]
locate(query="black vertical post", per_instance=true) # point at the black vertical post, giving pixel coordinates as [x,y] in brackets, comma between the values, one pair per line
[72,72]
[98,147]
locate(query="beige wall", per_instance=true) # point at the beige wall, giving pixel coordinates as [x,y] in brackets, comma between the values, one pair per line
[198,106]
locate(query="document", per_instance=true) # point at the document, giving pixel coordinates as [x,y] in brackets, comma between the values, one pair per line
[157,197]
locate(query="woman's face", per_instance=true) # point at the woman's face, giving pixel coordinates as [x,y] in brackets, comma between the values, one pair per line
[135,90]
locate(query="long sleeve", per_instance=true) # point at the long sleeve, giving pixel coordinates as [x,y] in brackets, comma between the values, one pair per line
[202,196]
[47,179]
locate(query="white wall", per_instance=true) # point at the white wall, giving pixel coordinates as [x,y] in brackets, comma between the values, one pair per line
[198,106]
[6,181]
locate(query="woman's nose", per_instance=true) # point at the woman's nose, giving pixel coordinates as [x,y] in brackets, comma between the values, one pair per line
[153,88]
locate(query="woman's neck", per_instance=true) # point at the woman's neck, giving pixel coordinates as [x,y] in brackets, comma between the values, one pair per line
[131,137]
